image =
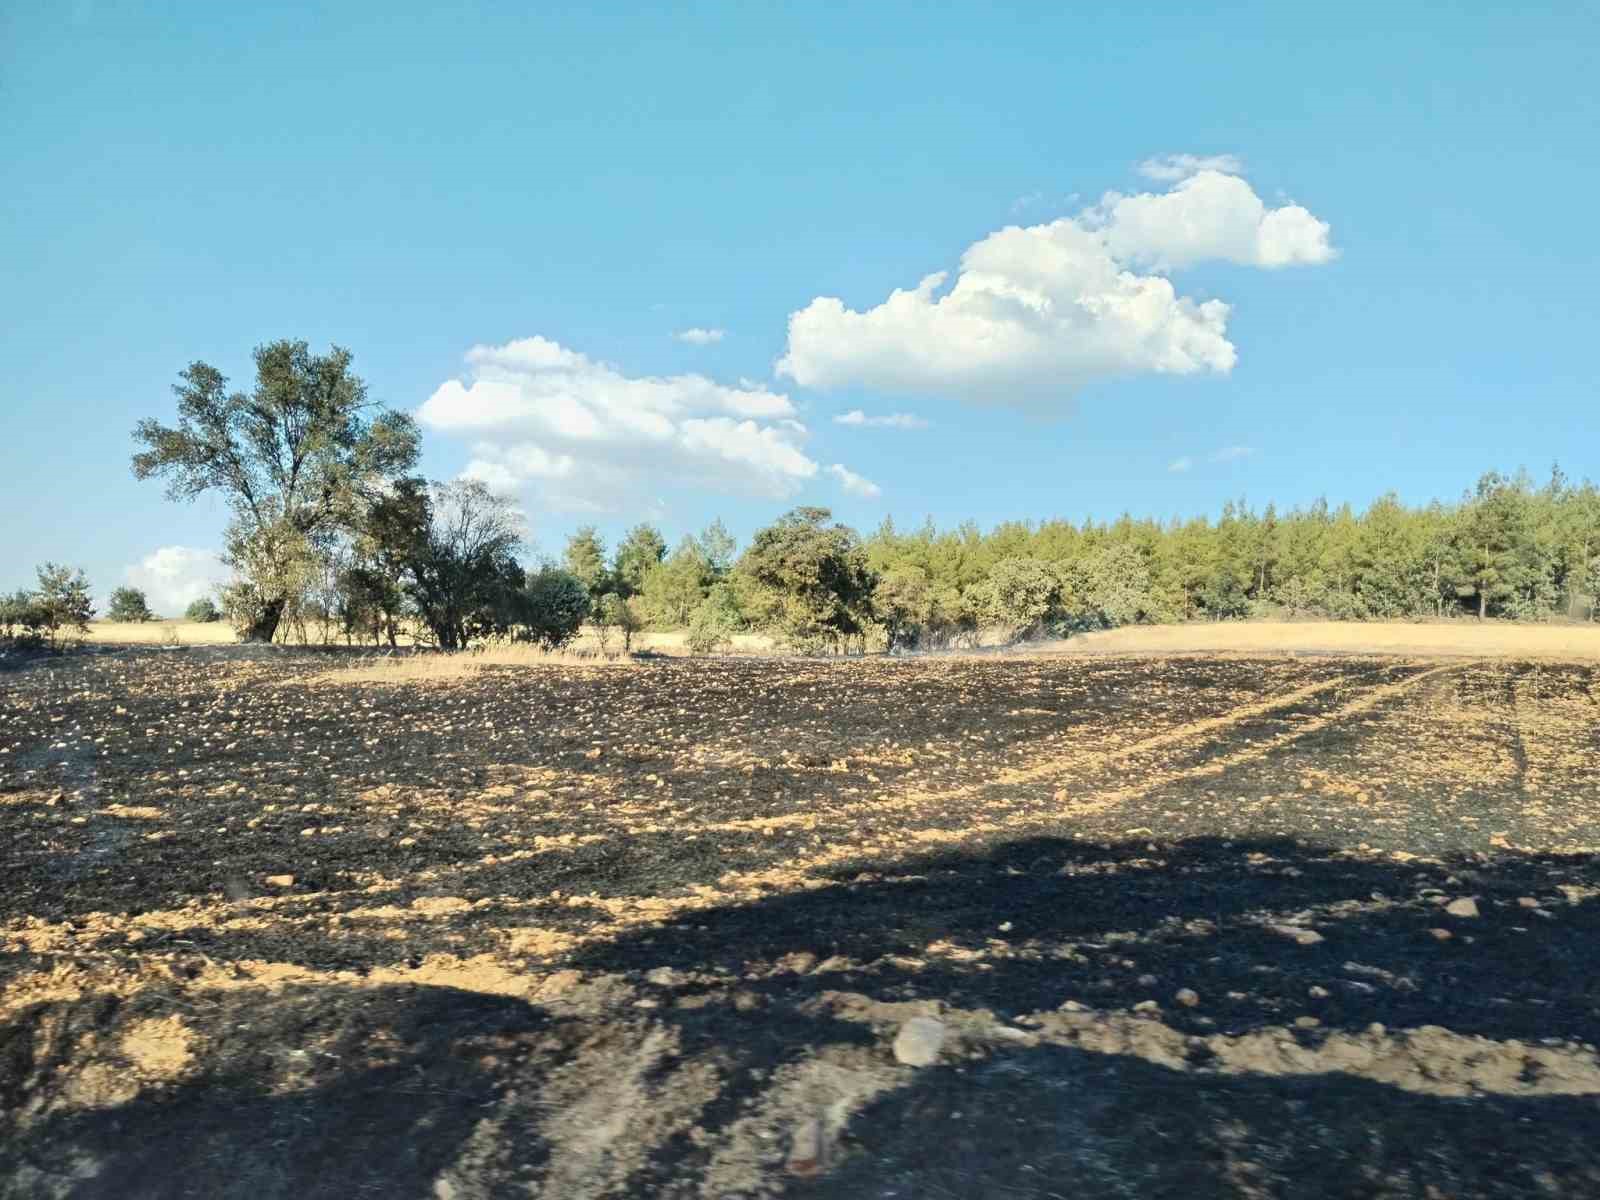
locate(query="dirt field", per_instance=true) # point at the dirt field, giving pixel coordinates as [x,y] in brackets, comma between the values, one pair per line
[1199,926]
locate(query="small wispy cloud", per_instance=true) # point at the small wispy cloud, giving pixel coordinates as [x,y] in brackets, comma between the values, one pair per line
[700,337]
[1232,453]
[1226,454]
[1026,202]
[856,485]
[889,421]
[1169,168]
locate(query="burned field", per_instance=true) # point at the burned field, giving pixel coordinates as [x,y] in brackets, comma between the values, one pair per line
[1230,926]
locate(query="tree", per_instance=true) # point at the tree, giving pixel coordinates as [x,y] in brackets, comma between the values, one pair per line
[203,611]
[621,614]
[639,551]
[585,561]
[297,458]
[1109,587]
[62,606]
[903,600]
[675,587]
[809,581]
[714,621]
[459,556]
[1497,544]
[129,604]
[554,604]
[717,548]
[389,540]
[1019,595]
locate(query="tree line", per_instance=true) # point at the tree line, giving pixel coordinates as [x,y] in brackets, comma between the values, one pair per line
[331,526]
[1509,548]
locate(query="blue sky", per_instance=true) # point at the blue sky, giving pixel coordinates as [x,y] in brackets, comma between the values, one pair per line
[187,181]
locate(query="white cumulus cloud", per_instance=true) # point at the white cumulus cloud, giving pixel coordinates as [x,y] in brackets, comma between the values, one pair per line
[588,437]
[855,484]
[701,337]
[889,421]
[1036,313]
[1209,216]
[174,577]
[1179,465]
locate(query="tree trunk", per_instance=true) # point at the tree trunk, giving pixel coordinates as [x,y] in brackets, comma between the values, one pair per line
[265,626]
[1483,603]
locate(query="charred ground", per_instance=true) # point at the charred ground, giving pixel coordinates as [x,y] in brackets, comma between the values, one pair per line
[650,929]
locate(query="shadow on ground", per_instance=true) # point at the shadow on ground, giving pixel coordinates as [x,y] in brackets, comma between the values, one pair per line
[354,1090]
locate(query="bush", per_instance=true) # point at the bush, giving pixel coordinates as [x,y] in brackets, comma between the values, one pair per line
[203,611]
[129,604]
[714,622]
[23,620]
[619,614]
[1019,595]
[52,615]
[554,604]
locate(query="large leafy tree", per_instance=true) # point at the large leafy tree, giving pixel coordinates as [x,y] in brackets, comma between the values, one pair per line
[297,458]
[807,579]
[460,559]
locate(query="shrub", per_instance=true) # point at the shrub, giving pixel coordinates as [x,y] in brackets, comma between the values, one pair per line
[203,610]
[617,614]
[53,615]
[129,604]
[554,604]
[23,619]
[1020,595]
[714,621]
[67,605]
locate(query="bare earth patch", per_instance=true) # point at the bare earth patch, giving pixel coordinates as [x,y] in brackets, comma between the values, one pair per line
[1073,924]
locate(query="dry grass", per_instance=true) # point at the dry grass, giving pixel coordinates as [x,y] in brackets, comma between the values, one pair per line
[673,643]
[1417,639]
[1489,639]
[159,633]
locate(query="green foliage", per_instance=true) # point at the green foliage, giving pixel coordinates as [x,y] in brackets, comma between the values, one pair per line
[555,603]
[129,604]
[24,620]
[585,561]
[639,552]
[717,548]
[808,581]
[674,588]
[618,614]
[203,610]
[297,458]
[1108,587]
[904,603]
[714,621]
[1019,595]
[53,615]
[457,544]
